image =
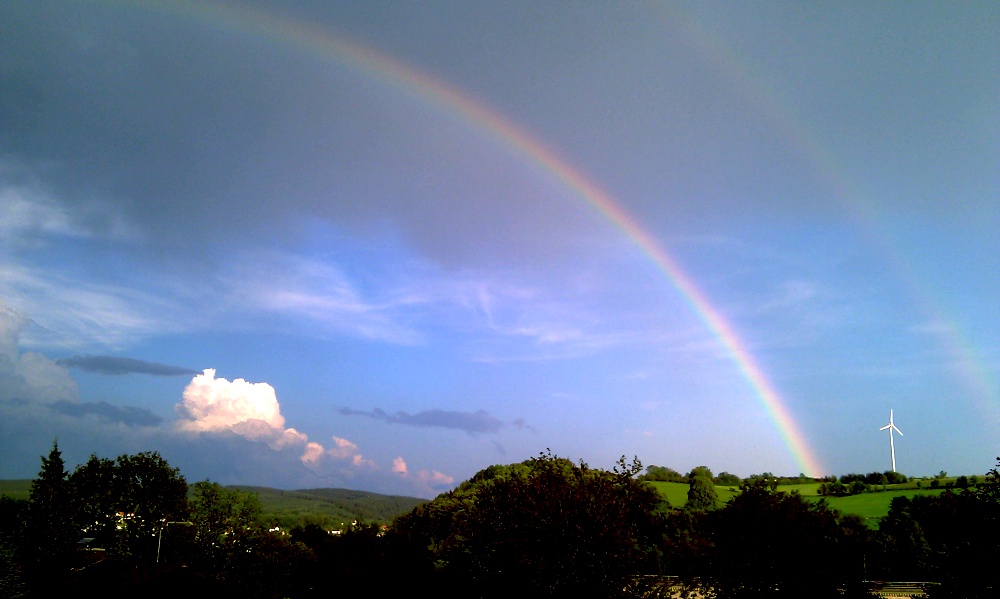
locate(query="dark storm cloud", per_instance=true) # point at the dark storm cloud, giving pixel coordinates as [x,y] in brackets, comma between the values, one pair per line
[127,415]
[479,421]
[118,366]
[196,106]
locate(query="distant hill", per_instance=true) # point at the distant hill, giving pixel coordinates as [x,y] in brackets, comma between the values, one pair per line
[330,508]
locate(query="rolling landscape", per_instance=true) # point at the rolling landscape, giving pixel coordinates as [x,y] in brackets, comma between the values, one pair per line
[337,508]
[133,525]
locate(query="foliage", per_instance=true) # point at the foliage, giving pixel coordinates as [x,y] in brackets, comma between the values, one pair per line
[774,544]
[701,492]
[948,537]
[50,534]
[12,514]
[662,474]
[123,504]
[545,527]
[726,479]
[231,540]
[875,478]
[699,471]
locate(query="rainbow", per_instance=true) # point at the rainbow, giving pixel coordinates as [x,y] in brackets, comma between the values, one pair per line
[974,373]
[316,41]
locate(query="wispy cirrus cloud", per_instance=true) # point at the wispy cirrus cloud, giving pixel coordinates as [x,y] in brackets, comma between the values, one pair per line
[72,312]
[30,214]
[320,294]
[478,422]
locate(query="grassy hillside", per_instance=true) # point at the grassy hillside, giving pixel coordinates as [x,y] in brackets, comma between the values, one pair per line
[16,489]
[330,508]
[873,506]
[676,493]
[870,506]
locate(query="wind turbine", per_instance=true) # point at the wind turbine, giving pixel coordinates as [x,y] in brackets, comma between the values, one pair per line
[892,447]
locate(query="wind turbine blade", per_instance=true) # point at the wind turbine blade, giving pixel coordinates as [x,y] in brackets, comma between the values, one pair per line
[885,427]
[897,430]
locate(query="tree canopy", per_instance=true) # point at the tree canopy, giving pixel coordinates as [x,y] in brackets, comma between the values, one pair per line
[545,527]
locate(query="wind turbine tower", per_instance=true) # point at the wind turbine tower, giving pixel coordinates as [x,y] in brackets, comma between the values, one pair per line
[892,447]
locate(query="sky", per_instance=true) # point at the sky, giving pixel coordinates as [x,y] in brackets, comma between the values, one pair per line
[383,245]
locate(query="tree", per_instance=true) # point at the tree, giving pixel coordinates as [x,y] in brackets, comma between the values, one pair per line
[766,543]
[12,514]
[728,480]
[858,487]
[230,539]
[545,527]
[662,473]
[146,492]
[697,471]
[701,492]
[123,504]
[96,506]
[51,533]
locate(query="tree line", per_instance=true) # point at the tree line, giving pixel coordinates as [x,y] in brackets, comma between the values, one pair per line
[545,527]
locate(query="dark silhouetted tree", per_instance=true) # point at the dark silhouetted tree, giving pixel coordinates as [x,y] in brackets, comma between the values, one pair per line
[229,539]
[766,543]
[51,532]
[124,503]
[543,528]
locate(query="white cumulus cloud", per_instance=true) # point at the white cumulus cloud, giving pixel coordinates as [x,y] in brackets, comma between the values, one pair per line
[251,410]
[217,404]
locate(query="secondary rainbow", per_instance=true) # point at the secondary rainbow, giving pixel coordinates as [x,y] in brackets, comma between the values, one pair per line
[315,40]
[973,370]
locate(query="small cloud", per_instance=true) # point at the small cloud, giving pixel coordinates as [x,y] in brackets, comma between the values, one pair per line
[476,422]
[431,481]
[933,327]
[118,366]
[342,450]
[312,453]
[437,481]
[500,448]
[321,294]
[521,425]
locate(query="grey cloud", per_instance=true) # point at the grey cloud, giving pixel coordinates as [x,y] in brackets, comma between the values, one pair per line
[520,424]
[118,366]
[479,421]
[28,377]
[128,415]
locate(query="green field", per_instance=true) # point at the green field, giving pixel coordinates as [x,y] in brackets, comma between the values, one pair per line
[16,489]
[873,506]
[869,506]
